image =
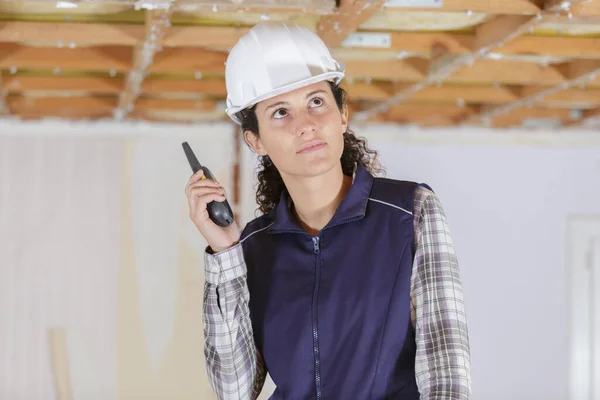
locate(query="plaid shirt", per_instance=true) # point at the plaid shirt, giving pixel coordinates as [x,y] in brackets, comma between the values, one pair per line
[442,363]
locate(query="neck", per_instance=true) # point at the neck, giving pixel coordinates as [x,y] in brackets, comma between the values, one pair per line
[317,198]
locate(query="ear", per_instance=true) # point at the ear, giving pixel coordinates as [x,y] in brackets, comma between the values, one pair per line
[254,142]
[345,118]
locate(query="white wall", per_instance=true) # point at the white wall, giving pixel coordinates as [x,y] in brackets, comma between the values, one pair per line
[508,196]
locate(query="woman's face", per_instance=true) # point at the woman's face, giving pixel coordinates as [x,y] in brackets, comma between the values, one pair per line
[301,131]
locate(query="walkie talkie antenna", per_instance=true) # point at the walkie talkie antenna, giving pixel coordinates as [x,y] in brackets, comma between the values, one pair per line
[194,163]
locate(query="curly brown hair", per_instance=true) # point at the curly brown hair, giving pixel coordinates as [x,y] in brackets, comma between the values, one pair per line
[270,183]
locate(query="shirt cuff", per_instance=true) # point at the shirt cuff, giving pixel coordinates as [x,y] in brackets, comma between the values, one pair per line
[225,265]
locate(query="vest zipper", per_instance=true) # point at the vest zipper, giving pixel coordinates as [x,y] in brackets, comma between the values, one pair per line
[317,250]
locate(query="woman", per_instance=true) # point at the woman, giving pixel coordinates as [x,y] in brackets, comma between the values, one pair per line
[347,285]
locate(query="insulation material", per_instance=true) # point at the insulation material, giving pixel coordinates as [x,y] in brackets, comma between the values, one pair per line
[399,20]
[574,29]
[249,18]
[64,7]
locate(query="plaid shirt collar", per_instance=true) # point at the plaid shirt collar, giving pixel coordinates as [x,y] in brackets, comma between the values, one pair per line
[353,206]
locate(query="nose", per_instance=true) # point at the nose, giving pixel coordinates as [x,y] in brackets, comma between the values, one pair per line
[305,124]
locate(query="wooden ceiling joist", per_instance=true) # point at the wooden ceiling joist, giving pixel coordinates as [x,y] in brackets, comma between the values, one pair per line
[509,62]
[333,29]
[522,7]
[488,37]
[72,35]
[157,22]
[18,84]
[579,73]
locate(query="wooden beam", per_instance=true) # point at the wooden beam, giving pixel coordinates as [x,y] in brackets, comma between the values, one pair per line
[453,94]
[64,107]
[157,22]
[203,36]
[507,72]
[319,7]
[210,87]
[575,98]
[590,8]
[150,103]
[578,72]
[523,7]
[177,60]
[333,29]
[528,115]
[406,70]
[70,35]
[426,115]
[19,84]
[101,58]
[488,36]
[585,47]
[564,5]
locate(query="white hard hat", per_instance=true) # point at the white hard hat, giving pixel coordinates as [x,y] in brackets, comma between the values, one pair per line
[275,58]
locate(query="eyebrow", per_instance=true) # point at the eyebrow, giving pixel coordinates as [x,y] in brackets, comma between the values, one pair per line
[279,103]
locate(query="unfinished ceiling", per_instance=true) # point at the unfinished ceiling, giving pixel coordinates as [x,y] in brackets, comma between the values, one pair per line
[493,63]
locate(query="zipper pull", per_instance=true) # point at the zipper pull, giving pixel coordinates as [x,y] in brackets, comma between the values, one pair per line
[316,244]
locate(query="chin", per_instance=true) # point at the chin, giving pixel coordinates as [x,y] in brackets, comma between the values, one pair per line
[318,166]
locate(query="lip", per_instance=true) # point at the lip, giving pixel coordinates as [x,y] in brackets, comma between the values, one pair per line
[311,146]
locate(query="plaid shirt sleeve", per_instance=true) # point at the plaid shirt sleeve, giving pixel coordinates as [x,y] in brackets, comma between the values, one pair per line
[234,366]
[443,363]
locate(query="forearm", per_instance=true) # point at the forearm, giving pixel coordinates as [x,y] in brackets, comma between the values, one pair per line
[233,365]
[442,364]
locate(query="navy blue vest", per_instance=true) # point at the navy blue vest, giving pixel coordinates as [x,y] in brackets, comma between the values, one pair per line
[331,313]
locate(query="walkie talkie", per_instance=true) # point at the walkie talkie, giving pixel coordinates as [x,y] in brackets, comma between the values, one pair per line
[219,212]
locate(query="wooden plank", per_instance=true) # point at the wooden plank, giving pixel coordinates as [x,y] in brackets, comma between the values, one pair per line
[203,36]
[579,72]
[518,116]
[488,36]
[507,72]
[570,98]
[406,70]
[211,87]
[365,91]
[563,5]
[175,60]
[61,104]
[585,47]
[523,7]
[71,34]
[18,84]
[455,94]
[333,29]
[426,115]
[586,9]
[105,58]
[466,94]
[150,103]
[68,114]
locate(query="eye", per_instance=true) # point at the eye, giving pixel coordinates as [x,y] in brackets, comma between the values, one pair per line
[317,101]
[280,113]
